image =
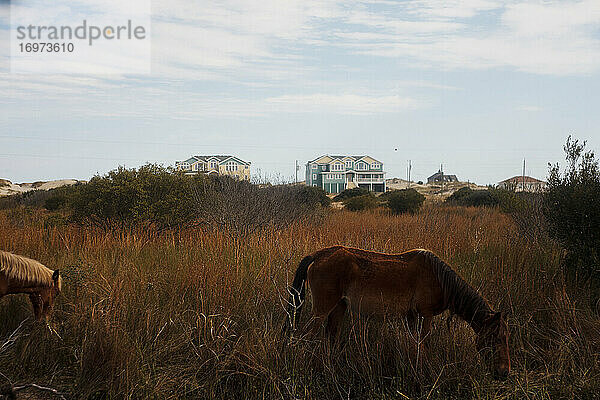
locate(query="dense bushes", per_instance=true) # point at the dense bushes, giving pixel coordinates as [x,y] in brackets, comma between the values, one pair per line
[348,193]
[360,203]
[33,198]
[397,201]
[405,200]
[240,207]
[572,208]
[125,197]
[311,196]
[468,197]
[158,196]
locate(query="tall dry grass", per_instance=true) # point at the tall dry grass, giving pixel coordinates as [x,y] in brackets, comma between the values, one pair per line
[198,314]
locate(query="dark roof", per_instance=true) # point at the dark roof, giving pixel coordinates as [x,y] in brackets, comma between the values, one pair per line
[220,158]
[206,158]
[519,179]
[354,157]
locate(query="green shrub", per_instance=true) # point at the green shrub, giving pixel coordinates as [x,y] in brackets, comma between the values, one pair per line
[348,193]
[360,203]
[459,196]
[124,197]
[56,201]
[33,198]
[474,198]
[481,198]
[311,196]
[572,208]
[406,200]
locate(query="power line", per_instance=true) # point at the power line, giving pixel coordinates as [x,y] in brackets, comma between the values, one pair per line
[251,146]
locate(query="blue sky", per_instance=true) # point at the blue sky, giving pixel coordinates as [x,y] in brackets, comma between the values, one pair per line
[477,85]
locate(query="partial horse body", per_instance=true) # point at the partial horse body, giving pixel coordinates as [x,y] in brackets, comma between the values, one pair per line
[414,284]
[20,274]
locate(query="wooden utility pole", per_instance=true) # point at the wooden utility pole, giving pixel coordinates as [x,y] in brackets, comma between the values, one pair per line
[523,177]
[296,172]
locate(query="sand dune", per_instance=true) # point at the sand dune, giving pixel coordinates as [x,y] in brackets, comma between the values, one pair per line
[8,188]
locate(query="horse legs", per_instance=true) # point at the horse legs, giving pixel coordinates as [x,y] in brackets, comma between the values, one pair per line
[335,319]
[38,305]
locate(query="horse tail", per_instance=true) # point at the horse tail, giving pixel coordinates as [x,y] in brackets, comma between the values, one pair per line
[297,294]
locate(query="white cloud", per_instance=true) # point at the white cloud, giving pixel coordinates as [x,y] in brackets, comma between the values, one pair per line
[452,8]
[553,38]
[342,103]
[240,39]
[285,48]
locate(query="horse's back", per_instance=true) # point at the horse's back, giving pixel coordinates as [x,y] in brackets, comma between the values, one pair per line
[375,283]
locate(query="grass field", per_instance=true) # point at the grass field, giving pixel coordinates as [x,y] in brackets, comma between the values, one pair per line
[198,314]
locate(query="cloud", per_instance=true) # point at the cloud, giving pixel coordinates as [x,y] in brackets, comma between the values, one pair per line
[557,38]
[94,97]
[241,39]
[232,58]
[342,103]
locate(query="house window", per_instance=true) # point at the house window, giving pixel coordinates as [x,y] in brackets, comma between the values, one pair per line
[231,166]
[361,166]
[375,165]
[213,165]
[337,167]
[314,177]
[348,164]
[314,166]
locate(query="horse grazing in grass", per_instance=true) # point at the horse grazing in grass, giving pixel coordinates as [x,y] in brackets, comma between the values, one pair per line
[414,284]
[20,274]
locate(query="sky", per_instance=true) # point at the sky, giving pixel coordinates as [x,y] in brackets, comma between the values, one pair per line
[475,85]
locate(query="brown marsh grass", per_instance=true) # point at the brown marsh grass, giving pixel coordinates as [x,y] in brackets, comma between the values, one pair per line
[198,314]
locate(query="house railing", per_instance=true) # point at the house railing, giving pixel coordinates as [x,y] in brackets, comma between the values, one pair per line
[369,180]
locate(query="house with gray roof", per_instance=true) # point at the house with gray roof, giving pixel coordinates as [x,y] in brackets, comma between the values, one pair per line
[335,173]
[439,177]
[215,164]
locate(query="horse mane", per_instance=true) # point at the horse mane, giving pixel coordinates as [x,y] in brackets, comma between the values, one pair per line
[459,297]
[26,270]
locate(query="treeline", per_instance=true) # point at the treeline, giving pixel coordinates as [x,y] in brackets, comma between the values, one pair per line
[155,195]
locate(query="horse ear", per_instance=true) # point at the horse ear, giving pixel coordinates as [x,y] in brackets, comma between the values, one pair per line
[55,275]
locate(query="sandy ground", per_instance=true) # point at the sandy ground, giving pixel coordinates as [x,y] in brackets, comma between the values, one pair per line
[437,191]
[8,188]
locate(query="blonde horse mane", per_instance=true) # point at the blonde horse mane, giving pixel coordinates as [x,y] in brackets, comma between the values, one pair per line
[26,270]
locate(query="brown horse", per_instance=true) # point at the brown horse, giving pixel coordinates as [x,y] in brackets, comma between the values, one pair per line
[20,274]
[414,284]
